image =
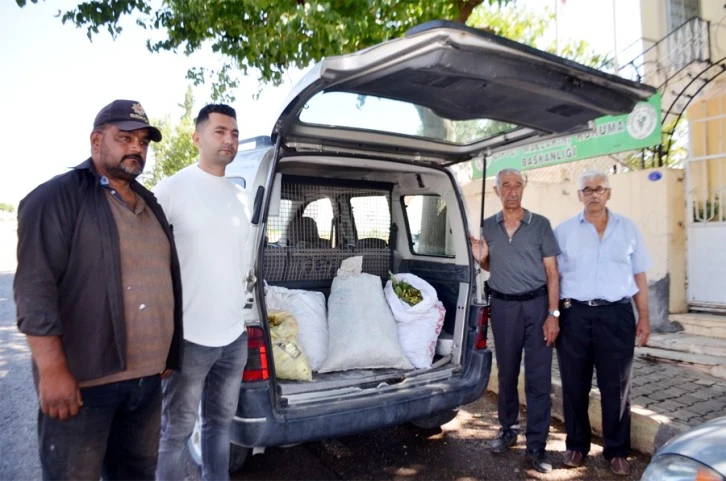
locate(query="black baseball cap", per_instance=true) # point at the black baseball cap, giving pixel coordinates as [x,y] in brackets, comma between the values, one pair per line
[126,115]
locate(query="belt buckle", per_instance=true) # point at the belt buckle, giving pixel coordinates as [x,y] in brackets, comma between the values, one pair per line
[592,303]
[567,303]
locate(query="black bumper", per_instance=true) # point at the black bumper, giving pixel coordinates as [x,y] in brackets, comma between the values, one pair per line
[258,424]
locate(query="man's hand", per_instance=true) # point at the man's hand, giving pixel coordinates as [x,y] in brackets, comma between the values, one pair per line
[551,329]
[642,331]
[58,391]
[479,248]
[59,395]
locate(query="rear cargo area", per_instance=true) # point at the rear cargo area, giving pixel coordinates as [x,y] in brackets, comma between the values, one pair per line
[318,222]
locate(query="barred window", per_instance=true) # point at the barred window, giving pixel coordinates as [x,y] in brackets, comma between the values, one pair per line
[680,11]
[321,211]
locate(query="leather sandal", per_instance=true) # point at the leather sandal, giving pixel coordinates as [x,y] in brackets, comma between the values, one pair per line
[572,459]
[620,466]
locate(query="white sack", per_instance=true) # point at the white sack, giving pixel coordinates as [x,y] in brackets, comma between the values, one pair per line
[418,325]
[402,311]
[308,307]
[350,266]
[362,331]
[418,338]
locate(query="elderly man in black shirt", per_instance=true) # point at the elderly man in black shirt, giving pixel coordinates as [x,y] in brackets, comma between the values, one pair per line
[520,252]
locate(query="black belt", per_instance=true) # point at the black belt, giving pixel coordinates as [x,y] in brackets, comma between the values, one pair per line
[525,296]
[594,302]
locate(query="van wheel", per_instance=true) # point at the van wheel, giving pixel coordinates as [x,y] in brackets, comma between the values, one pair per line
[237,457]
[435,421]
[237,454]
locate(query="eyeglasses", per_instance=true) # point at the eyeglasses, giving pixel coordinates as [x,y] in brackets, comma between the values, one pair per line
[597,191]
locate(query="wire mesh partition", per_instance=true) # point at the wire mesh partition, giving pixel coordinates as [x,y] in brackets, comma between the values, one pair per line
[320,223]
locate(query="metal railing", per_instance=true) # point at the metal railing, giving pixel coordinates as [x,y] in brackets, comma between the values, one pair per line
[691,42]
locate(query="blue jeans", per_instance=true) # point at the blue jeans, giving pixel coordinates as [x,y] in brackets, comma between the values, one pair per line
[115,434]
[212,376]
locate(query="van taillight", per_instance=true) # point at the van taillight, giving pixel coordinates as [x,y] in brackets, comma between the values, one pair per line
[482,321]
[257,368]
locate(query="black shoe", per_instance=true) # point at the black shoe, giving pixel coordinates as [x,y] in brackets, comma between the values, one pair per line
[539,460]
[504,441]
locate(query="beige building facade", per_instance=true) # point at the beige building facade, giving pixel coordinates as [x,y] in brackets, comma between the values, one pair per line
[656,203]
[681,211]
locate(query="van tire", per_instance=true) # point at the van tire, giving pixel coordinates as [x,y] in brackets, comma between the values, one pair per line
[237,455]
[435,421]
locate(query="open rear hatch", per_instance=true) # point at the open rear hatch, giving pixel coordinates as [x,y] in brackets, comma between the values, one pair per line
[443,94]
[404,96]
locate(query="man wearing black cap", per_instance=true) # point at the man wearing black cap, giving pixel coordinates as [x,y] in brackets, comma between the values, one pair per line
[98,295]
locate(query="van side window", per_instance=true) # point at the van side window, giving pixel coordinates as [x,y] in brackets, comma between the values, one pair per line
[428,224]
[372,220]
[321,211]
[276,223]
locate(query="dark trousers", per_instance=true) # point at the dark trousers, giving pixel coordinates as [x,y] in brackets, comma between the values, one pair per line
[115,434]
[517,325]
[604,338]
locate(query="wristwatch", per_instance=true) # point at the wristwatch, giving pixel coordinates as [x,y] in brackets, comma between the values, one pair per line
[555,313]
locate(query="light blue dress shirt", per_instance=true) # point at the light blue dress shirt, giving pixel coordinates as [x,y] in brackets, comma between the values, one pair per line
[591,268]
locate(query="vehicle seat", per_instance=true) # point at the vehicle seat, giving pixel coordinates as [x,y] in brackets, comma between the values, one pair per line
[303,232]
[371,243]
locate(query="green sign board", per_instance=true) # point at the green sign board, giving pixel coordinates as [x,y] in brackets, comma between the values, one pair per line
[613,133]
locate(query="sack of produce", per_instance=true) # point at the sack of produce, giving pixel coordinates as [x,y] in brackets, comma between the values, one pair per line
[309,310]
[290,360]
[419,316]
[361,329]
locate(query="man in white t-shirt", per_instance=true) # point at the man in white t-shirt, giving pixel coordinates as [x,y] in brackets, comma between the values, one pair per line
[211,220]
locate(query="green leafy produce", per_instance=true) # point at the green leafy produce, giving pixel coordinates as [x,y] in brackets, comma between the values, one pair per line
[405,291]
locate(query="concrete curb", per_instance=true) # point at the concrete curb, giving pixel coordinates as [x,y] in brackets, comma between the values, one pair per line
[648,431]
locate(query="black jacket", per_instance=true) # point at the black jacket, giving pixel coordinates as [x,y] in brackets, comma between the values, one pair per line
[68,278]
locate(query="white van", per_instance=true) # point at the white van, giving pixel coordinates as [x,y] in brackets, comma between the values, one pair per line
[357,165]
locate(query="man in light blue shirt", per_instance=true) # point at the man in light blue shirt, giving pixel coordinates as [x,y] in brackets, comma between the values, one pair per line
[602,268]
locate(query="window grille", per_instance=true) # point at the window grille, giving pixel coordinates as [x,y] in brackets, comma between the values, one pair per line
[321,223]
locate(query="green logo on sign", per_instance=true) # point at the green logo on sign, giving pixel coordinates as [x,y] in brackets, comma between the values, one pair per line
[611,134]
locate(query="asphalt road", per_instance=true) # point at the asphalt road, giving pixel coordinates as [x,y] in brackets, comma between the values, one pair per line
[459,451]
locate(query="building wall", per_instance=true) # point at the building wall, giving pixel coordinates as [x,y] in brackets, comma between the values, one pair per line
[707,128]
[714,11]
[656,206]
[653,15]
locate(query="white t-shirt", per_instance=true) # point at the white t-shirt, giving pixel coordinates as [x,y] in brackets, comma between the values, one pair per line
[211,220]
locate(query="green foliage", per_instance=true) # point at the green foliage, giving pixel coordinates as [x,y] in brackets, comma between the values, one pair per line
[270,36]
[405,291]
[7,207]
[176,149]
